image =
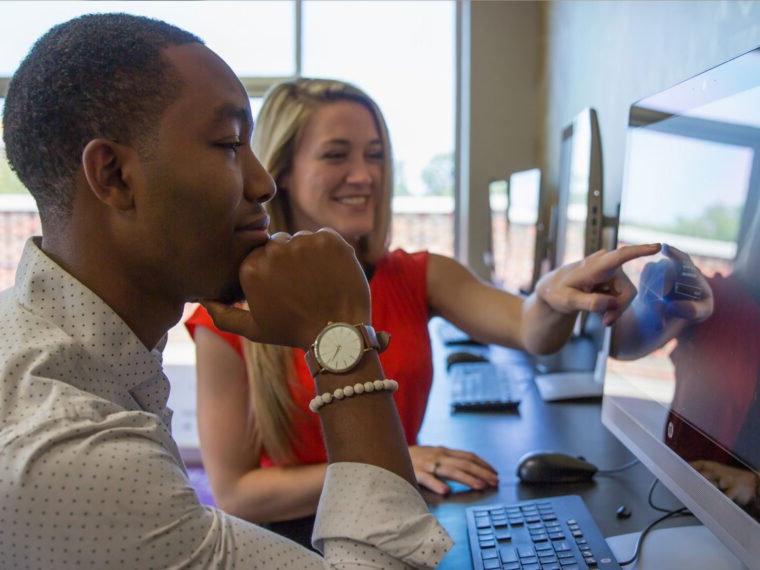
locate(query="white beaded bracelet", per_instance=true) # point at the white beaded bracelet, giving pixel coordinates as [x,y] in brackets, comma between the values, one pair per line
[348,391]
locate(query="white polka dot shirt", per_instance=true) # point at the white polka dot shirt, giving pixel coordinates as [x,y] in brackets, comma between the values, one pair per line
[90,476]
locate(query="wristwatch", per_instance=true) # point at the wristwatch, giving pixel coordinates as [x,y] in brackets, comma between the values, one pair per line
[340,347]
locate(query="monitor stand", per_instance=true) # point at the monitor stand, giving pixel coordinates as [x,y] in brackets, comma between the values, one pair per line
[571,385]
[691,547]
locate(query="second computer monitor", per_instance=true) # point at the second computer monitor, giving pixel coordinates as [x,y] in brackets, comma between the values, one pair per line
[579,211]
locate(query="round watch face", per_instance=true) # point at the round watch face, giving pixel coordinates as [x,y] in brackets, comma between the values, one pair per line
[339,347]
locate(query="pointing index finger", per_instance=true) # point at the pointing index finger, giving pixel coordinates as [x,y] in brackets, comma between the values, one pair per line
[628,253]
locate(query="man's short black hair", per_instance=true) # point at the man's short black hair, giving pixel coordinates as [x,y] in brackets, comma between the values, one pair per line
[100,75]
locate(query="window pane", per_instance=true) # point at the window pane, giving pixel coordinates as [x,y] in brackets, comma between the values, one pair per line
[18,216]
[9,183]
[379,47]
[255,38]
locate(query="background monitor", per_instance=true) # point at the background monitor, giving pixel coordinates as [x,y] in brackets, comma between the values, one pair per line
[576,371]
[690,408]
[580,193]
[523,228]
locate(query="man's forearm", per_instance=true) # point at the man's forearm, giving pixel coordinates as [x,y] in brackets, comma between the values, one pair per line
[364,428]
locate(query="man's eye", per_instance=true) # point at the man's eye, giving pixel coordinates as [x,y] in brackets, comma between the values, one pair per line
[234,146]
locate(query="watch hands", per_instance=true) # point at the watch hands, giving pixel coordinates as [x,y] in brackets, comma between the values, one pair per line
[337,350]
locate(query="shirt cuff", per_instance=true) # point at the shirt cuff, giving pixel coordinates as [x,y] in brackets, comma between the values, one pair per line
[373,506]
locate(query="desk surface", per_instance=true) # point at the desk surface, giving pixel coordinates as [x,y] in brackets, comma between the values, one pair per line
[502,438]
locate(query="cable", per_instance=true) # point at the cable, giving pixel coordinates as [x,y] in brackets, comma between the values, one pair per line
[683,512]
[651,501]
[618,469]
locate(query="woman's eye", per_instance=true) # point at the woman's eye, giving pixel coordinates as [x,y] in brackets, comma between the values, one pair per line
[380,155]
[334,155]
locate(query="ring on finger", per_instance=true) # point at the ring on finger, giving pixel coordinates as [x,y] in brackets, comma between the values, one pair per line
[436,465]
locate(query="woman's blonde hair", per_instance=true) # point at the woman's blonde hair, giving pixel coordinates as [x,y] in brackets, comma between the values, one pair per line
[286,111]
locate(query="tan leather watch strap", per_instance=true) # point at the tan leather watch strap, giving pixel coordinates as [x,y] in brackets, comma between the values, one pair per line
[369,337]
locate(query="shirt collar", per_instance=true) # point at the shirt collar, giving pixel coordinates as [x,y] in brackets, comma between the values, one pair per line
[47,290]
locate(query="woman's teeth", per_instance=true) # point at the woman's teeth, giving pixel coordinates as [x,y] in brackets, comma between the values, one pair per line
[353,200]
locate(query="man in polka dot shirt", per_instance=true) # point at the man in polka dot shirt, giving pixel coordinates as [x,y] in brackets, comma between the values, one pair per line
[133,138]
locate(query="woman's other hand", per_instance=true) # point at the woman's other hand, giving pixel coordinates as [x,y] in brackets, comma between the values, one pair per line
[434,464]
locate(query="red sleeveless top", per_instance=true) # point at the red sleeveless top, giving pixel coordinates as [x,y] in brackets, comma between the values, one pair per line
[400,307]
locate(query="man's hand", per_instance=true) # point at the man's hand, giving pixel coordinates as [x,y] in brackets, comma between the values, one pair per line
[294,286]
[596,283]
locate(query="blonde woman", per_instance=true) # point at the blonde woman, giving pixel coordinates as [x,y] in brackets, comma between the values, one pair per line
[326,145]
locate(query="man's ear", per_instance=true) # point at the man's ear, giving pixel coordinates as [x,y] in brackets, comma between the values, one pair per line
[107,167]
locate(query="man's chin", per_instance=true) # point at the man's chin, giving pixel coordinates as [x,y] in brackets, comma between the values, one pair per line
[232,293]
[229,294]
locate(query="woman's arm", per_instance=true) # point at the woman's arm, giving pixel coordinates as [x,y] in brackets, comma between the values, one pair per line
[240,487]
[543,322]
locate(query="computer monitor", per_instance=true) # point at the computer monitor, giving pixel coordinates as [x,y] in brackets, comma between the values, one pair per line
[580,193]
[686,397]
[576,225]
[523,229]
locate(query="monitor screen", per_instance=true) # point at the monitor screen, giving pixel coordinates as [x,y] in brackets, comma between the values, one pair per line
[683,391]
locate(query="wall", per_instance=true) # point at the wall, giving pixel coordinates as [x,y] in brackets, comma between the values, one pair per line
[609,54]
[499,59]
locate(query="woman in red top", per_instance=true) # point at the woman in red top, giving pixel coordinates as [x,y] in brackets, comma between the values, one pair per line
[326,145]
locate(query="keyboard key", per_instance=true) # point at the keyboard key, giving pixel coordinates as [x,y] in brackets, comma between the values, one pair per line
[531,567]
[492,564]
[548,559]
[557,535]
[482,522]
[542,537]
[551,567]
[561,546]
[503,534]
[487,553]
[530,560]
[568,562]
[507,554]
[487,543]
[525,551]
[499,523]
[544,549]
[511,566]
[564,555]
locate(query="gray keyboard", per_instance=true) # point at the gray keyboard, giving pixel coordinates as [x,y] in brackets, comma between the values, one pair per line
[483,386]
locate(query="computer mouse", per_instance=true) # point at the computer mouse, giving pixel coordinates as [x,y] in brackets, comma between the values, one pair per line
[554,467]
[461,356]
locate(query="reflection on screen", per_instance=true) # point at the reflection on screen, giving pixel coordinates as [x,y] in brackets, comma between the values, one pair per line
[691,339]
